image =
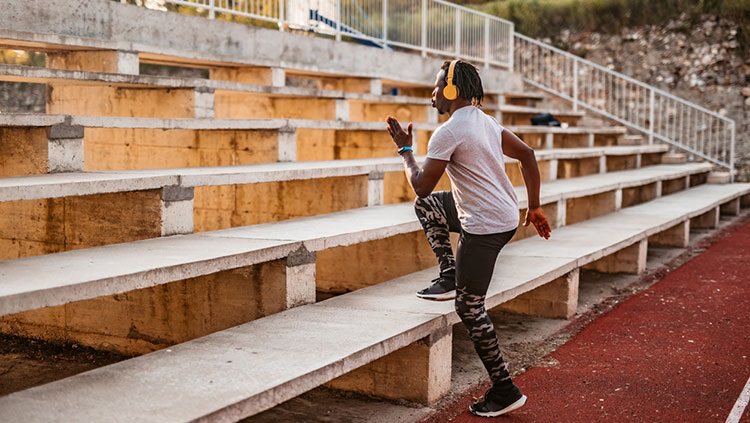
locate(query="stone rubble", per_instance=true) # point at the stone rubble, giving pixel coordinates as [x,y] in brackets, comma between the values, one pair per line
[702,63]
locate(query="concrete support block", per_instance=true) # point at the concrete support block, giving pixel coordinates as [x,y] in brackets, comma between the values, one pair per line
[630,259]
[419,372]
[618,199]
[674,158]
[342,110]
[300,278]
[719,178]
[123,62]
[65,148]
[416,145]
[659,189]
[731,208]
[432,115]
[603,164]
[638,161]
[676,236]
[177,204]
[376,86]
[561,213]
[204,103]
[375,189]
[553,169]
[556,299]
[708,220]
[591,140]
[287,144]
[549,140]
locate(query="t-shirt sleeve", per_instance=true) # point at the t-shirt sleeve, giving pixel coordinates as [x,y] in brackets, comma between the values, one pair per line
[499,128]
[442,145]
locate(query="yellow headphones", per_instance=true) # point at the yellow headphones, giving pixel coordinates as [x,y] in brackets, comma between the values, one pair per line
[450,92]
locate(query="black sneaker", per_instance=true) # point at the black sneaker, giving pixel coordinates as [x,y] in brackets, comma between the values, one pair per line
[496,405]
[442,289]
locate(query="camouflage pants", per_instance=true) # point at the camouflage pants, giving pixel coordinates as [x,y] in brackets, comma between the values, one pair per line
[472,268]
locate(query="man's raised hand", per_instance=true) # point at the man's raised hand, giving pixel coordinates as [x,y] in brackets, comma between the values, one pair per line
[536,217]
[400,137]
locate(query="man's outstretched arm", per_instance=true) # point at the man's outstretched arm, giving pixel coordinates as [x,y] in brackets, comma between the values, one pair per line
[422,179]
[515,148]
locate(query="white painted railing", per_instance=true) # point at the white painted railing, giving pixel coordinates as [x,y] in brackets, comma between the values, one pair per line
[656,113]
[428,26]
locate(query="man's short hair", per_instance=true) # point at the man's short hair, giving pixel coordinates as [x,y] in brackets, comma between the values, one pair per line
[466,78]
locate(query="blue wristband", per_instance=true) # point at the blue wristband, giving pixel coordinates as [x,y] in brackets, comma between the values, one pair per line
[404,149]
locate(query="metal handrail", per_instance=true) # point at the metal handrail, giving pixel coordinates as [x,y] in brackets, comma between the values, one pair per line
[658,114]
[431,26]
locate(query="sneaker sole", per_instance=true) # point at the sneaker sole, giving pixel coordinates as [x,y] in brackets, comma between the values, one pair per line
[516,405]
[438,297]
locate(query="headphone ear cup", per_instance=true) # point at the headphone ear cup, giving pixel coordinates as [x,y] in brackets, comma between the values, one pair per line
[450,92]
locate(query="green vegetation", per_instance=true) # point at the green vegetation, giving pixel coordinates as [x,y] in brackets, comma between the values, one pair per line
[543,18]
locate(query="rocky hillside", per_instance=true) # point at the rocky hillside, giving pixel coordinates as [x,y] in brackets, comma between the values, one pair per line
[702,63]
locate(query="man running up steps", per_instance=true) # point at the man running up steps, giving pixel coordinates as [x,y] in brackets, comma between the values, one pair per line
[481,207]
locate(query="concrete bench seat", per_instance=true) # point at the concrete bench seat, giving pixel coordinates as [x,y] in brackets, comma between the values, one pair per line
[202,101]
[20,292]
[89,183]
[52,213]
[84,143]
[379,340]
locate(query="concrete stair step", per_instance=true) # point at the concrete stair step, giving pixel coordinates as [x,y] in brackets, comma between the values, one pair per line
[74,184]
[249,368]
[117,143]
[88,273]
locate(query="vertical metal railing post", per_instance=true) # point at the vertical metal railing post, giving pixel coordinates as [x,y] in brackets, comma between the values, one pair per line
[732,140]
[211,9]
[575,85]
[338,20]
[457,38]
[651,114]
[511,43]
[424,28]
[486,42]
[385,23]
[282,14]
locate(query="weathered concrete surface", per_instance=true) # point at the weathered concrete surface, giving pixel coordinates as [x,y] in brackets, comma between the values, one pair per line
[90,273]
[231,381]
[318,233]
[230,374]
[105,24]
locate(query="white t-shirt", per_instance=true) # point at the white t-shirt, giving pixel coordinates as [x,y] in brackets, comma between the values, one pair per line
[471,142]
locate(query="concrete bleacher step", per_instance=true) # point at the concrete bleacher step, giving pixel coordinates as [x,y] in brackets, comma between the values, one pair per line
[57,143]
[95,209]
[379,340]
[567,162]
[107,94]
[296,258]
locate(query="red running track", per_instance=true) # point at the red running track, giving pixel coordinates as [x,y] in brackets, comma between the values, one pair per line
[676,352]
